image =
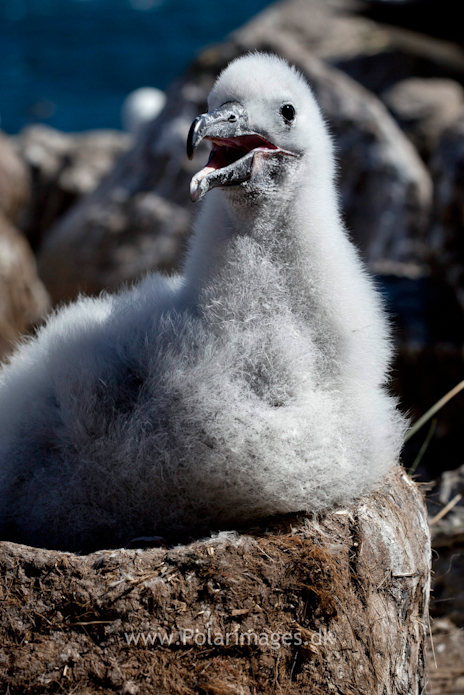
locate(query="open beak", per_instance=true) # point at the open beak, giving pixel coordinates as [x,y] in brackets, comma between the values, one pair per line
[235,147]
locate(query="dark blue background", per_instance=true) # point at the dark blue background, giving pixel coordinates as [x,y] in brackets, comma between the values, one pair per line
[70,63]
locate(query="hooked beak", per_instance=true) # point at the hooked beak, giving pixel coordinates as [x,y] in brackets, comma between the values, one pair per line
[235,147]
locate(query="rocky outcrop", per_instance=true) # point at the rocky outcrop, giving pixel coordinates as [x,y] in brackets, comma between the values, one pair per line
[15,188]
[131,223]
[118,242]
[424,109]
[337,604]
[374,53]
[64,167]
[23,299]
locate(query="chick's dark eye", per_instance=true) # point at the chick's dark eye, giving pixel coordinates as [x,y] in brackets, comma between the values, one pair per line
[288,112]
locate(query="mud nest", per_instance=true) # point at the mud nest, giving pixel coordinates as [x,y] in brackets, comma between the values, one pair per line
[304,605]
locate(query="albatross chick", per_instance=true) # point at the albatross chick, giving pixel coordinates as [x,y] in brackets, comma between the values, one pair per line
[251,385]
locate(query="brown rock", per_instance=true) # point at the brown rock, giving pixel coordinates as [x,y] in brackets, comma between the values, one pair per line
[23,299]
[424,108]
[64,167]
[115,244]
[375,54]
[337,604]
[132,222]
[14,181]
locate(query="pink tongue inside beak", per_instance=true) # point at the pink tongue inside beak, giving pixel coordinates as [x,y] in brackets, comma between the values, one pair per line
[225,150]
[217,158]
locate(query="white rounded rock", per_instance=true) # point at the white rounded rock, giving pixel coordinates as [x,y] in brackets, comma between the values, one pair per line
[140,107]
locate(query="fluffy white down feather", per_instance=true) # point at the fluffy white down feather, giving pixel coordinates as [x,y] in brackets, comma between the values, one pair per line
[250,386]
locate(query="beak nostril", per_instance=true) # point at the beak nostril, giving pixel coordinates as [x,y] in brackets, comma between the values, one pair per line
[214,123]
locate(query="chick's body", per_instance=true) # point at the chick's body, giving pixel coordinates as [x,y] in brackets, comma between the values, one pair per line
[252,385]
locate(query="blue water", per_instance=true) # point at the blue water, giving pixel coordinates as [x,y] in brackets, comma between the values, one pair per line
[70,63]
